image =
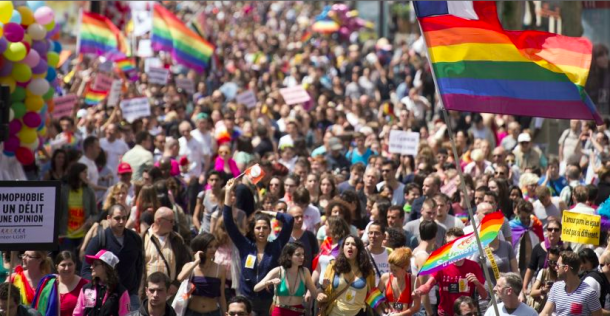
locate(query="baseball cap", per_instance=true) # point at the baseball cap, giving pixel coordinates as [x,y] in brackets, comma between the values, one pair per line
[335,144]
[524,137]
[201,116]
[81,113]
[103,255]
[124,168]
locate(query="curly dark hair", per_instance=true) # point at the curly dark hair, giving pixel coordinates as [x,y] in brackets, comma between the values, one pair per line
[201,243]
[364,264]
[288,251]
[252,222]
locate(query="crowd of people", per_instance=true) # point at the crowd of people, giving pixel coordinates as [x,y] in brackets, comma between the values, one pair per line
[157,212]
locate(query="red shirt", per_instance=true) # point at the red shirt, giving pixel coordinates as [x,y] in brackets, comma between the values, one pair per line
[68,300]
[452,284]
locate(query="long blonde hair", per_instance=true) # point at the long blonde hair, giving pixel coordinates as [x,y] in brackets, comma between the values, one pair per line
[111,199]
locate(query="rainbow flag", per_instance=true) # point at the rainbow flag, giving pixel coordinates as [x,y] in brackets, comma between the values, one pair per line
[99,36]
[128,67]
[374,298]
[46,300]
[464,246]
[171,35]
[20,281]
[480,67]
[306,37]
[93,97]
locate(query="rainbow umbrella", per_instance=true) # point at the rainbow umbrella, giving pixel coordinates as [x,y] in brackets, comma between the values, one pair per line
[325,27]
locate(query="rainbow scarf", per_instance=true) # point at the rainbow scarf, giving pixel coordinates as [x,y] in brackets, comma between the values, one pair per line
[46,300]
[99,36]
[20,281]
[518,229]
[326,249]
[93,97]
[186,47]
[464,246]
[374,298]
[481,67]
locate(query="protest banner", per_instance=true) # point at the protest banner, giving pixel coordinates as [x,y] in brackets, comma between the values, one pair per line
[145,48]
[295,95]
[64,105]
[152,62]
[580,228]
[186,84]
[248,98]
[135,108]
[102,82]
[29,215]
[106,66]
[115,93]
[403,143]
[158,75]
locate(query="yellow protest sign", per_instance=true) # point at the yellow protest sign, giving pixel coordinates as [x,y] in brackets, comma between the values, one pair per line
[580,228]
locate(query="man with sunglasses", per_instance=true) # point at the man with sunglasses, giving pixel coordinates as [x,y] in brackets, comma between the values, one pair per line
[126,244]
[507,291]
[571,296]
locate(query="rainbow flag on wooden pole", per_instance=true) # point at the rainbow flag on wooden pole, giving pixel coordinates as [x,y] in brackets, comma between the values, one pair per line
[480,67]
[172,35]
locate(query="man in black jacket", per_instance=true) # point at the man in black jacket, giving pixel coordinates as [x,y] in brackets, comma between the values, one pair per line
[126,245]
[157,287]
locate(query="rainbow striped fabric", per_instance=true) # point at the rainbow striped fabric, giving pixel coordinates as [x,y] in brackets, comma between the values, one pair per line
[128,67]
[171,35]
[20,281]
[46,300]
[481,67]
[93,97]
[374,298]
[464,246]
[99,36]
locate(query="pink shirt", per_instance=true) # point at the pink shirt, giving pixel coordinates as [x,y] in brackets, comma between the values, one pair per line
[68,300]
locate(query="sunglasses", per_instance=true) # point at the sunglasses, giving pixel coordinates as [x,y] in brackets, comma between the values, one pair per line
[553,230]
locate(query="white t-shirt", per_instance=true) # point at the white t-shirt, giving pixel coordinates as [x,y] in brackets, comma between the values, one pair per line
[205,139]
[311,217]
[450,222]
[522,310]
[193,150]
[92,173]
[381,261]
[543,212]
[114,151]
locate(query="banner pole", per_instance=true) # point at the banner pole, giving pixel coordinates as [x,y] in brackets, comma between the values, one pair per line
[12,259]
[445,113]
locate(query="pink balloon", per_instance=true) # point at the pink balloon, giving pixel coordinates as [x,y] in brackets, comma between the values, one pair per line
[14,127]
[11,144]
[44,15]
[14,32]
[31,119]
[32,59]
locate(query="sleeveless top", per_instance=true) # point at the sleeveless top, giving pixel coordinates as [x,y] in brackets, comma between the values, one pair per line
[207,286]
[403,298]
[283,289]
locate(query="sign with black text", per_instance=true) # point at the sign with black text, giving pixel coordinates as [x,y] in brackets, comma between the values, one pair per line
[158,75]
[186,84]
[29,215]
[136,108]
[247,98]
[404,143]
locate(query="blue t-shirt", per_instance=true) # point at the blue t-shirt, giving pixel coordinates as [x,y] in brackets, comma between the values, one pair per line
[354,157]
[555,185]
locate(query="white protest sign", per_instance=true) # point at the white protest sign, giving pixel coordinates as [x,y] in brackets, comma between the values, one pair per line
[136,108]
[142,22]
[115,93]
[145,48]
[28,215]
[295,95]
[404,143]
[152,62]
[102,82]
[186,84]
[64,105]
[106,66]
[248,98]
[158,75]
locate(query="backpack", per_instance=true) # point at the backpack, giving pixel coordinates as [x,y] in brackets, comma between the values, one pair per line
[101,238]
[603,284]
[570,202]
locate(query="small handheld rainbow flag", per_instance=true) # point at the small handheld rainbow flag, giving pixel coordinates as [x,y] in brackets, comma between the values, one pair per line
[93,97]
[464,246]
[171,35]
[99,36]
[374,298]
[128,67]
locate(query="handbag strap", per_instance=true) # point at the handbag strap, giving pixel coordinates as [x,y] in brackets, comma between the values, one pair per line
[374,263]
[156,243]
[349,283]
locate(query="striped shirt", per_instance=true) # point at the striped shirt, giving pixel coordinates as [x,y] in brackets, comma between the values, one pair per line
[583,301]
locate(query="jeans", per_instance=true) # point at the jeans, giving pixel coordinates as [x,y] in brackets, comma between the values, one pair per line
[134,300]
[192,313]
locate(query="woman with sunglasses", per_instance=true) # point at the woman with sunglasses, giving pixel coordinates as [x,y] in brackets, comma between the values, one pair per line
[225,163]
[544,281]
[539,258]
[35,265]
[398,285]
[104,295]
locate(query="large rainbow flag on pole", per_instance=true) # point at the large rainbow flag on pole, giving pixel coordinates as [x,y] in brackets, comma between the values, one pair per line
[464,246]
[481,67]
[171,35]
[99,36]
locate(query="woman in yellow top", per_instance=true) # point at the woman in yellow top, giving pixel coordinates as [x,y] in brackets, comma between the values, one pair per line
[348,281]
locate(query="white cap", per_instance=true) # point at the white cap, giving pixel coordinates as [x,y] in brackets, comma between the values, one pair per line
[524,137]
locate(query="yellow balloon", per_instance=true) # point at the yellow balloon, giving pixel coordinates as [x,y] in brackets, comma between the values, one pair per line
[21,72]
[6,11]
[40,76]
[27,16]
[52,59]
[43,132]
[34,103]
[50,26]
[27,135]
[8,81]
[1,30]
[27,38]
[15,51]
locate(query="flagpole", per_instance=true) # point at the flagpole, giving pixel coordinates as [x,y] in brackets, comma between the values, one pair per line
[78,30]
[482,258]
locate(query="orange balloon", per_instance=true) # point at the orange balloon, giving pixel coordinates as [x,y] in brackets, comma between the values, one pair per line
[50,105]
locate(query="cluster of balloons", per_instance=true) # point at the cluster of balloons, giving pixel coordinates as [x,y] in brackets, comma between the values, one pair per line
[28,59]
[348,21]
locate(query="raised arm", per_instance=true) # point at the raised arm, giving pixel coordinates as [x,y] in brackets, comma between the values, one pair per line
[227,214]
